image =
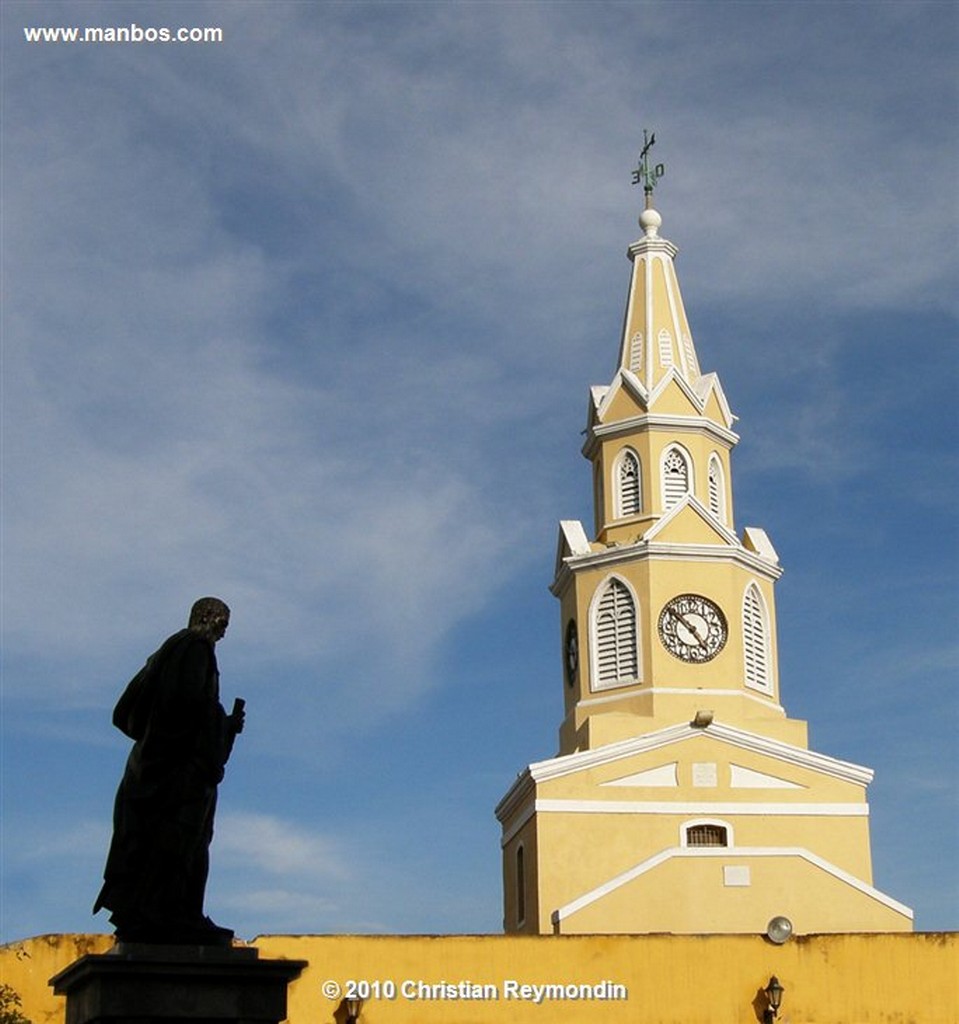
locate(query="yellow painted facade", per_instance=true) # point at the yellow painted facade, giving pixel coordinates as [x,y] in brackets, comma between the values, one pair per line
[683,798]
[656,979]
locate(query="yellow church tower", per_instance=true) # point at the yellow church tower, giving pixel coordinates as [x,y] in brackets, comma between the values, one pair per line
[682,799]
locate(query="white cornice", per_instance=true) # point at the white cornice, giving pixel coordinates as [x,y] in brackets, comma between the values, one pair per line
[687,808]
[654,421]
[650,246]
[655,551]
[569,764]
[686,691]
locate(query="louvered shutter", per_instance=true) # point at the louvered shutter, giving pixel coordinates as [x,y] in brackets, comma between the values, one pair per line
[636,352]
[754,640]
[716,488]
[616,655]
[629,496]
[675,478]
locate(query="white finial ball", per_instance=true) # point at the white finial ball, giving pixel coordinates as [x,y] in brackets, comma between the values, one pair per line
[650,221]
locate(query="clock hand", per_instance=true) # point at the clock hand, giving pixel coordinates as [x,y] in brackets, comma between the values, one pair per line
[690,626]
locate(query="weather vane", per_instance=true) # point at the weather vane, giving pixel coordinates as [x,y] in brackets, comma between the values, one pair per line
[649,176]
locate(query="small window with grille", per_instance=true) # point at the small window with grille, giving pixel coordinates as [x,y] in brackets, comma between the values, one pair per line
[706,835]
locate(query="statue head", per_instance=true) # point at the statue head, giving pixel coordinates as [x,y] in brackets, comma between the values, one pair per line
[209,617]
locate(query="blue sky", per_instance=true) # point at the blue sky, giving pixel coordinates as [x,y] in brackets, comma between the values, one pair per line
[307,319]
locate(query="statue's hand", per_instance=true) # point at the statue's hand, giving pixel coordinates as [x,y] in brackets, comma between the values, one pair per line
[238,715]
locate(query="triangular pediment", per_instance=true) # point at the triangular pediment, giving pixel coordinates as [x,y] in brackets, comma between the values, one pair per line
[673,396]
[623,399]
[757,541]
[572,540]
[596,395]
[713,399]
[626,758]
[690,522]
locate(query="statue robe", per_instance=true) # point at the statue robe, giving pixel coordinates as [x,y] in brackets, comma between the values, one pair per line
[157,866]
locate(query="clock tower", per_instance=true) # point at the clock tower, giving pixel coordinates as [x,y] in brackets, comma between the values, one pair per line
[683,798]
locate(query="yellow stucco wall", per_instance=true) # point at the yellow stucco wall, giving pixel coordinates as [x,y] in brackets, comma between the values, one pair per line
[799,833]
[829,979]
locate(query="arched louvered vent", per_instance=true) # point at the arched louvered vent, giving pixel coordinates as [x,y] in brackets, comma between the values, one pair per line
[675,477]
[636,352]
[628,489]
[755,640]
[692,364]
[717,489]
[665,349]
[615,637]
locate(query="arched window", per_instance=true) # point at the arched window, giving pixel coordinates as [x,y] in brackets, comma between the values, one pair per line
[636,352]
[520,885]
[756,640]
[615,645]
[676,476]
[706,833]
[717,488]
[628,488]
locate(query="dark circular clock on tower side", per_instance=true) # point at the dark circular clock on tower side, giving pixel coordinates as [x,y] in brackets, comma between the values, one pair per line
[692,628]
[571,652]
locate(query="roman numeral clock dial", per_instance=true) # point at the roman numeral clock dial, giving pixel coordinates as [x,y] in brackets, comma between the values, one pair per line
[692,628]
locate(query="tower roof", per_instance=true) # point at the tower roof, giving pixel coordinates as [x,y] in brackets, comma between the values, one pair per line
[657,339]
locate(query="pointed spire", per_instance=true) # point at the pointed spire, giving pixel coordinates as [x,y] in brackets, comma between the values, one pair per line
[656,336]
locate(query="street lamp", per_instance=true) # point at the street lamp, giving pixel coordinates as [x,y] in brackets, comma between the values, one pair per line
[774,997]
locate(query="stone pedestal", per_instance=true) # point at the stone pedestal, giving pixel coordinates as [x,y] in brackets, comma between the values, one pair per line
[143,984]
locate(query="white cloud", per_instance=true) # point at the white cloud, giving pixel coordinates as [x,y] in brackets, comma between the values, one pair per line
[84,839]
[278,847]
[298,319]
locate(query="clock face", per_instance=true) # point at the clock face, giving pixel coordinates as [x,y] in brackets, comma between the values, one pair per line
[692,628]
[571,652]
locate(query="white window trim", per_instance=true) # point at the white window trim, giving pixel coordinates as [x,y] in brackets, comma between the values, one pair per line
[594,684]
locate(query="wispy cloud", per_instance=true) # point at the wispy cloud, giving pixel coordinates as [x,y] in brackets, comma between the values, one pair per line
[307,319]
[278,847]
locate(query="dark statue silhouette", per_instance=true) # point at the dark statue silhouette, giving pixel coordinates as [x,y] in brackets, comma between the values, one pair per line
[157,867]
